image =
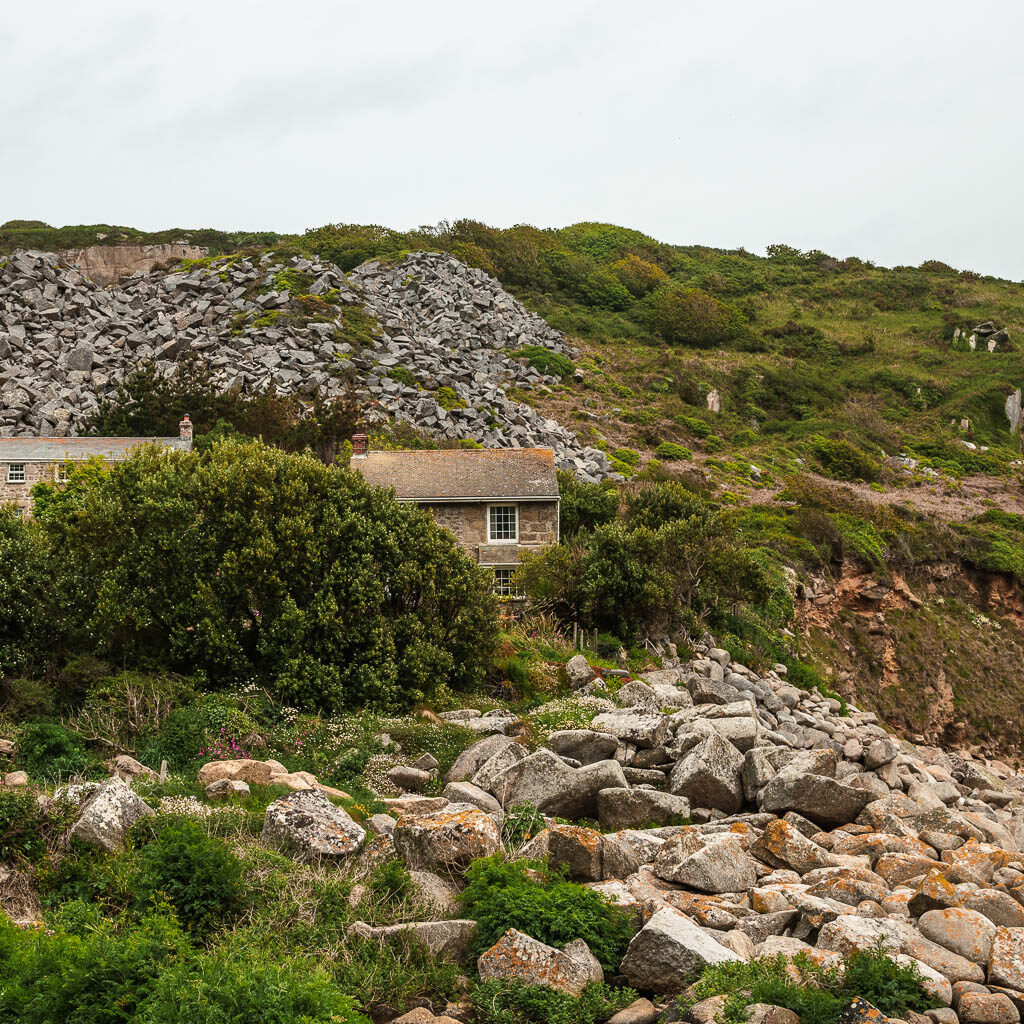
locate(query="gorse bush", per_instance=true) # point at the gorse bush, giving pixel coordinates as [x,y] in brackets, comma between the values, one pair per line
[240,985]
[89,971]
[499,896]
[92,975]
[197,874]
[672,451]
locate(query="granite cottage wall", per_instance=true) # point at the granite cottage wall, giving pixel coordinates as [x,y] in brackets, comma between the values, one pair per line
[20,495]
[538,527]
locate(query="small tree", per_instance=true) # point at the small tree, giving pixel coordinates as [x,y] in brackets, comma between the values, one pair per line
[689,316]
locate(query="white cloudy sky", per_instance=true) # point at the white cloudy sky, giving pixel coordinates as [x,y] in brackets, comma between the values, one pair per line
[889,130]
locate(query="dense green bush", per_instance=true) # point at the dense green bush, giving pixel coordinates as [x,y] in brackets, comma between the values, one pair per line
[544,360]
[240,985]
[21,825]
[499,896]
[820,994]
[90,971]
[689,316]
[584,505]
[248,564]
[196,873]
[22,586]
[496,1002]
[843,459]
[47,750]
[86,973]
[672,451]
[675,558]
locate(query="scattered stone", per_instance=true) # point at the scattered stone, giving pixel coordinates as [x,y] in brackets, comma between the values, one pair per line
[516,957]
[311,827]
[447,840]
[108,813]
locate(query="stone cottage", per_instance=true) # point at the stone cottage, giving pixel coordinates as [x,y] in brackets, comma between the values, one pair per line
[27,461]
[499,502]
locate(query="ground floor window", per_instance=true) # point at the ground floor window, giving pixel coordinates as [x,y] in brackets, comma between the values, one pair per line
[505,582]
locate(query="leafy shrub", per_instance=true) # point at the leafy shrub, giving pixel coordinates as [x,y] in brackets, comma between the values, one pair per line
[295,575]
[192,728]
[662,503]
[47,750]
[843,459]
[21,825]
[239,985]
[672,451]
[627,455]
[496,1002]
[637,275]
[499,896]
[544,360]
[584,505]
[198,874]
[820,994]
[22,551]
[689,316]
[90,973]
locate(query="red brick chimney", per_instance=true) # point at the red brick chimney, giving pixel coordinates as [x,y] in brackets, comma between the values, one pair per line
[360,444]
[185,429]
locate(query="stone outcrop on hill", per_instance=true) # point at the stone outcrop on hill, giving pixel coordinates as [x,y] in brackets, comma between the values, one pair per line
[106,264]
[66,343]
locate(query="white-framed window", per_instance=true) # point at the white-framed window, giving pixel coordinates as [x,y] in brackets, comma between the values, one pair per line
[502,524]
[60,472]
[505,582]
[15,472]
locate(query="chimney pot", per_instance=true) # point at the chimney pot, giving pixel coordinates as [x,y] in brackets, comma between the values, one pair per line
[185,429]
[360,444]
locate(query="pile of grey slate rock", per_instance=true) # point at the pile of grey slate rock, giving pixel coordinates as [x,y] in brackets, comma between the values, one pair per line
[812,830]
[66,343]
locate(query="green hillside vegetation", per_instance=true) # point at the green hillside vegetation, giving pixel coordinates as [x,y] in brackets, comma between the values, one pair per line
[826,368]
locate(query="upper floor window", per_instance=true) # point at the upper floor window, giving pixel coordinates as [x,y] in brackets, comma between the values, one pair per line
[16,472]
[502,524]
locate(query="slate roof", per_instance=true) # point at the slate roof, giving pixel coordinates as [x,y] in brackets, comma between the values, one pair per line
[458,474]
[74,449]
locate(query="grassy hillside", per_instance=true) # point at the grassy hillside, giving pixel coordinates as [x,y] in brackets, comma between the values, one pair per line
[826,368]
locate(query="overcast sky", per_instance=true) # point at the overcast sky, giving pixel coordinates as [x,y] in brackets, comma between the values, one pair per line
[887,130]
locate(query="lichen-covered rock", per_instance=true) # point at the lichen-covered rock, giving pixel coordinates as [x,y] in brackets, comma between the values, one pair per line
[108,813]
[1006,961]
[222,789]
[826,801]
[516,957]
[310,826]
[639,808]
[710,776]
[448,839]
[964,932]
[669,952]
[713,864]
[782,846]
